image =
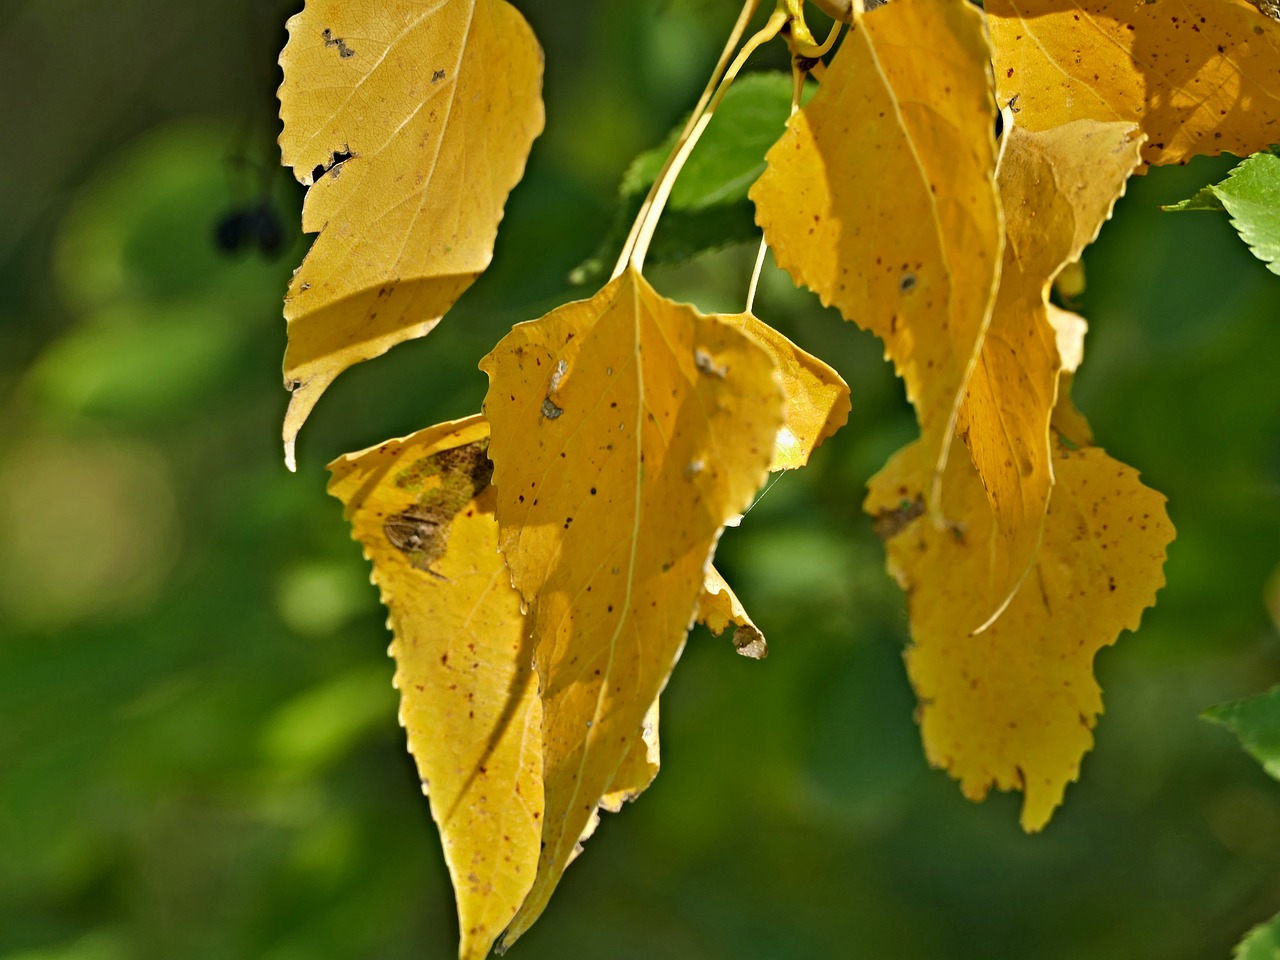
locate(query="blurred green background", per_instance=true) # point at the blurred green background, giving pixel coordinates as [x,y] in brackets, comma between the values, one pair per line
[199,754]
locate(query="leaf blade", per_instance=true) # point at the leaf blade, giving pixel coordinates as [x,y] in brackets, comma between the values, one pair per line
[882,239]
[670,418]
[816,396]
[1014,706]
[1199,80]
[1261,943]
[719,608]
[1256,723]
[469,701]
[1057,188]
[1251,195]
[405,104]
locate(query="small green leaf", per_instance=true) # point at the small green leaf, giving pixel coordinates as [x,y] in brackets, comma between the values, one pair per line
[1262,943]
[1256,721]
[708,208]
[1206,199]
[1251,195]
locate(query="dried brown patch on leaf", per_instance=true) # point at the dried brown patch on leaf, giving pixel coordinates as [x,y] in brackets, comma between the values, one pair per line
[719,609]
[468,693]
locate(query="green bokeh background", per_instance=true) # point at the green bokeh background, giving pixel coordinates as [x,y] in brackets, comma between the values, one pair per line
[199,754]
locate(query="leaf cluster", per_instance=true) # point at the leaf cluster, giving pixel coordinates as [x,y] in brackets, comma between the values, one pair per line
[542,562]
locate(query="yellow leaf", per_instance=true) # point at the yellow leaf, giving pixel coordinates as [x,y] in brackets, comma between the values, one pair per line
[1199,76]
[423,510]
[626,430]
[719,607]
[880,196]
[1057,188]
[1014,706]
[817,398]
[434,108]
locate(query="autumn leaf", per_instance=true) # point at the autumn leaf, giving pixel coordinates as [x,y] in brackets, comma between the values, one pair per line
[1251,195]
[422,508]
[881,198]
[626,430]
[1066,421]
[1014,706]
[411,124]
[1198,76]
[1057,187]
[816,401]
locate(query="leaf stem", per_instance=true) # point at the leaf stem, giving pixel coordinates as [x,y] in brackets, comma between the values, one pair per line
[755,275]
[814,51]
[749,9]
[798,74]
[649,221]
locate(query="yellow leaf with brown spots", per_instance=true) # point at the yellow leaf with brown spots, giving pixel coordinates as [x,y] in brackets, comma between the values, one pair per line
[422,508]
[1057,188]
[411,123]
[1014,706]
[881,197]
[1198,76]
[626,430]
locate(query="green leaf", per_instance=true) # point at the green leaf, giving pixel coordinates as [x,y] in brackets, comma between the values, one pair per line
[1205,199]
[1262,943]
[1256,721]
[1251,195]
[708,208]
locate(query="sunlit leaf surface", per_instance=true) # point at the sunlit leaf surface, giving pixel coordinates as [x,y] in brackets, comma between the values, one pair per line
[411,123]
[422,507]
[881,196]
[1198,76]
[1014,706]
[626,430]
[1056,188]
